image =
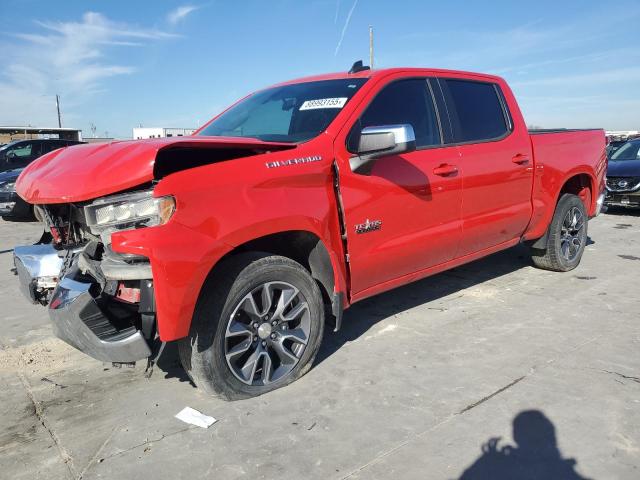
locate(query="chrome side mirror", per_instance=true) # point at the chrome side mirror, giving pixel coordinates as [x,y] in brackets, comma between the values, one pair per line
[376,142]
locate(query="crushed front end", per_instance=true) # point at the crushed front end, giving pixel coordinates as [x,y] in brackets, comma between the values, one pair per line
[101,302]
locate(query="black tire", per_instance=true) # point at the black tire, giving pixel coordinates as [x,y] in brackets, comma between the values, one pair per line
[202,353]
[554,257]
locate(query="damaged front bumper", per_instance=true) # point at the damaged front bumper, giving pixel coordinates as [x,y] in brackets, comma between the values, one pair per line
[77,307]
[79,321]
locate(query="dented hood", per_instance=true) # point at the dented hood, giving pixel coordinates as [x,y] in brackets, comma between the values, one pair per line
[85,172]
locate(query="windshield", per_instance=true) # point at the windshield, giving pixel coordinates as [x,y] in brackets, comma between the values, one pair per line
[629,151]
[291,113]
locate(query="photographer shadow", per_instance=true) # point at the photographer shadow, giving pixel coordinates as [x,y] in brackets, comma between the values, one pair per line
[535,455]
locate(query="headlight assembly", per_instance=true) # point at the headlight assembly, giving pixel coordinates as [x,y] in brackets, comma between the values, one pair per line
[129,210]
[8,186]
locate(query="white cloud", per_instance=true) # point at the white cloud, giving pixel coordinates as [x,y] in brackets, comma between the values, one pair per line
[69,58]
[180,13]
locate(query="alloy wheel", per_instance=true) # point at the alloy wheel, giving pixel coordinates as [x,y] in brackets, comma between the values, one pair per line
[572,234]
[267,333]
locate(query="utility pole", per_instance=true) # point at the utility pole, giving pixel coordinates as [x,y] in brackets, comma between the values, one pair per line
[371,47]
[58,108]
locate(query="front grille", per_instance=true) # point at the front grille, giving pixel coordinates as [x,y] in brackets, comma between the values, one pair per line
[623,184]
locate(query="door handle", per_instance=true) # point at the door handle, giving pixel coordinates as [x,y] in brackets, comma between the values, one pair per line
[445,169]
[520,159]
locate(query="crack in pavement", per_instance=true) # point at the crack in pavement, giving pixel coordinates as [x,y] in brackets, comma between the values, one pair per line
[98,451]
[39,413]
[488,397]
[96,457]
[146,442]
[621,375]
[629,257]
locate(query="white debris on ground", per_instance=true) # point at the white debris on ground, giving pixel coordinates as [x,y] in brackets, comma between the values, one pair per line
[194,417]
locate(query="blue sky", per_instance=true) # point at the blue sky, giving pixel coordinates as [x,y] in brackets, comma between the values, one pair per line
[118,64]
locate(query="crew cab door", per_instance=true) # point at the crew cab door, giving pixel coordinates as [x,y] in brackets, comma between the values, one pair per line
[496,161]
[404,215]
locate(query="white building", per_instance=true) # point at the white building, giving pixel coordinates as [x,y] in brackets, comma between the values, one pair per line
[160,132]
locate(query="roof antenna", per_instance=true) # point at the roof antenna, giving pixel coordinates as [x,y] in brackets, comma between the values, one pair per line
[358,67]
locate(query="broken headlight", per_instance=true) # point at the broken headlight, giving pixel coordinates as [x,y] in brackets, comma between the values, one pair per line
[129,210]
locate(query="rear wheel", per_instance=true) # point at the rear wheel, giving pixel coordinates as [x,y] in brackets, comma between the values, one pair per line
[567,236]
[257,327]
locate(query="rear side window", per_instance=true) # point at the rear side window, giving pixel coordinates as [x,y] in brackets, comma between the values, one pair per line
[475,109]
[401,102]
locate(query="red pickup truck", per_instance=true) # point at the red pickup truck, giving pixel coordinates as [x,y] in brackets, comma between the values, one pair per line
[243,240]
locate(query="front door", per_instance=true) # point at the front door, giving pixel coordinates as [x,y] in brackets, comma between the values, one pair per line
[405,215]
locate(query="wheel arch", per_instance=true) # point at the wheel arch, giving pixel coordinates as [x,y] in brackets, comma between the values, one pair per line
[308,250]
[581,184]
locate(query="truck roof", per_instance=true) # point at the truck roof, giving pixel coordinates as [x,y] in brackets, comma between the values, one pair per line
[383,72]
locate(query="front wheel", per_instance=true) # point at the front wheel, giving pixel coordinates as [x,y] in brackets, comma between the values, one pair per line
[257,326]
[567,236]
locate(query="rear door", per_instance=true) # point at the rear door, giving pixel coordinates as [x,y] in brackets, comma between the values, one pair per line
[401,217]
[496,161]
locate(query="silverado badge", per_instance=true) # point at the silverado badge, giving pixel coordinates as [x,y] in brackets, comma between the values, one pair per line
[294,161]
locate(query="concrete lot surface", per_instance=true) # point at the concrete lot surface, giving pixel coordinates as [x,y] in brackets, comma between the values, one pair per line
[416,386]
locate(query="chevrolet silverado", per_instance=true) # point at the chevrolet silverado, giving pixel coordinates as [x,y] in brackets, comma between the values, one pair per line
[243,241]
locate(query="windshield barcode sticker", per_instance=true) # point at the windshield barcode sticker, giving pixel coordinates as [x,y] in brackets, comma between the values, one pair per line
[324,103]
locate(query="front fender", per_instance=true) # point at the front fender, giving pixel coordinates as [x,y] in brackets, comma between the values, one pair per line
[181,259]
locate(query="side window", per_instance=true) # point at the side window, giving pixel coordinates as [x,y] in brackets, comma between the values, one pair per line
[401,102]
[475,109]
[23,151]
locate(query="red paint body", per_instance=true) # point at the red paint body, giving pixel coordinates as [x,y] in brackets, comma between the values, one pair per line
[503,192]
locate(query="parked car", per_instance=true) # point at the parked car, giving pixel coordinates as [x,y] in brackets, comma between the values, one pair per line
[12,207]
[20,153]
[296,202]
[14,157]
[623,176]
